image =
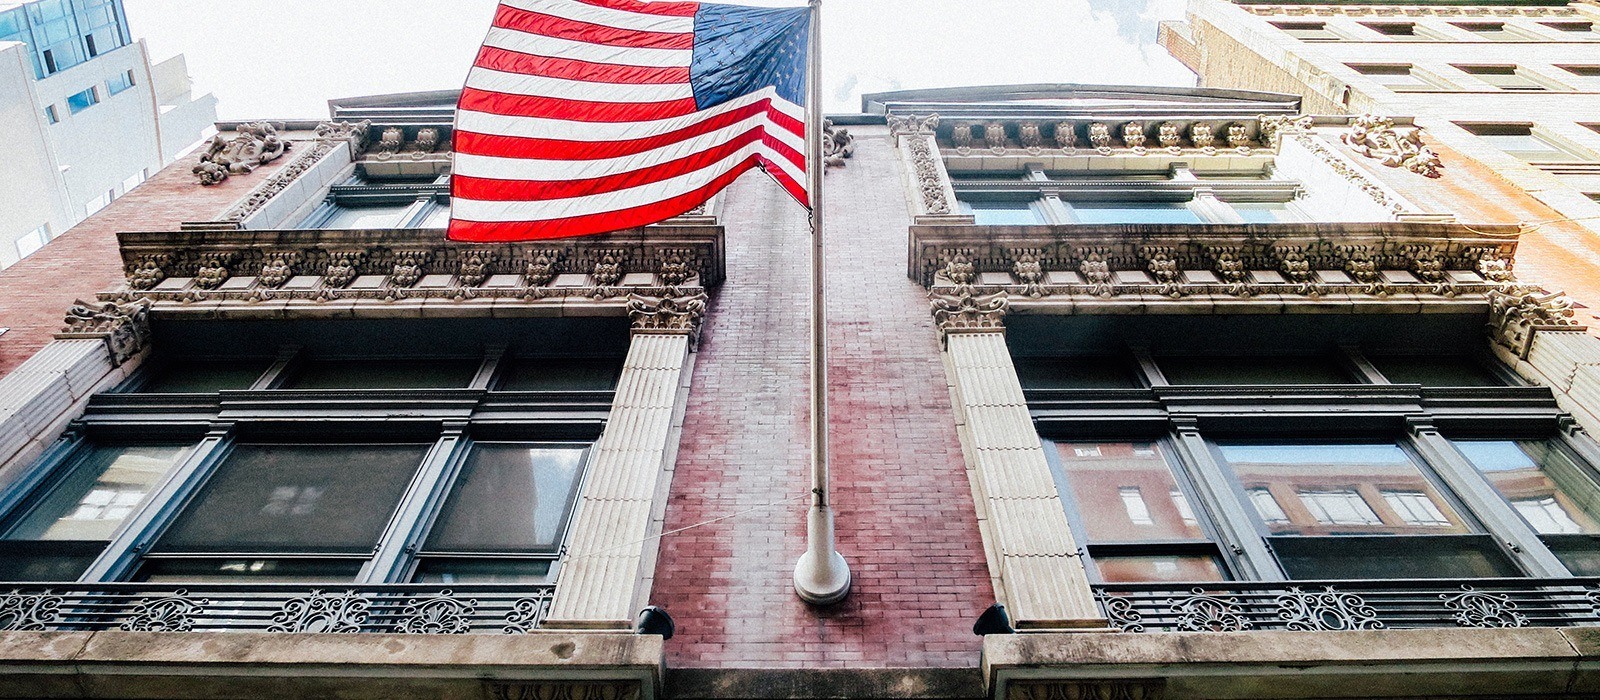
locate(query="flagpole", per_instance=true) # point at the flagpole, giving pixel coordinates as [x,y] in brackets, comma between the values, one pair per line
[821,577]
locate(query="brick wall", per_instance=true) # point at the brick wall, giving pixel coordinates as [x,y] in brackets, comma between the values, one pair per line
[905,515]
[36,292]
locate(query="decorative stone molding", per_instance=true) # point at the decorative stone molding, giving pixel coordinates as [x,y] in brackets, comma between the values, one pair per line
[125,327]
[970,313]
[668,315]
[924,161]
[554,690]
[1274,127]
[1516,314]
[252,146]
[1349,172]
[328,136]
[837,145]
[1377,259]
[1085,690]
[396,142]
[1407,11]
[1377,138]
[389,266]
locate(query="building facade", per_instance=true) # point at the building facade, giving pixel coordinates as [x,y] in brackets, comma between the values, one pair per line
[1508,87]
[87,116]
[1211,399]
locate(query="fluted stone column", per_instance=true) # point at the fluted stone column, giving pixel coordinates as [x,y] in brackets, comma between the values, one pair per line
[1537,333]
[1034,559]
[610,553]
[48,390]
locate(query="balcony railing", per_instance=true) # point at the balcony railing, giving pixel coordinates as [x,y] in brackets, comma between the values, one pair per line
[1350,605]
[287,608]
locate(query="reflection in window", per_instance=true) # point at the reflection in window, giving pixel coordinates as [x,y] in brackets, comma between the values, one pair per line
[62,530]
[1000,213]
[1133,503]
[1550,490]
[1181,502]
[1415,508]
[1108,482]
[1267,507]
[1547,516]
[1337,484]
[1133,213]
[1158,568]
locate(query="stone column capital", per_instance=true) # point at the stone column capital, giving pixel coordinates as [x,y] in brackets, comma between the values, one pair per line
[968,312]
[125,327]
[1516,314]
[681,315]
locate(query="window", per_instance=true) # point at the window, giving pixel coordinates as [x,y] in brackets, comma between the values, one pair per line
[51,116]
[177,376]
[1574,30]
[1365,511]
[83,100]
[1492,31]
[1550,490]
[1075,373]
[119,82]
[1519,140]
[1138,523]
[1401,31]
[382,374]
[287,512]
[1435,370]
[135,180]
[506,515]
[359,217]
[1251,370]
[561,374]
[32,241]
[1399,77]
[1308,31]
[1133,213]
[1507,78]
[1267,212]
[1002,213]
[99,488]
[1585,71]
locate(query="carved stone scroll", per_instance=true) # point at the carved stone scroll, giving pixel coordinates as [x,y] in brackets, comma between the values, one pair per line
[1378,138]
[124,327]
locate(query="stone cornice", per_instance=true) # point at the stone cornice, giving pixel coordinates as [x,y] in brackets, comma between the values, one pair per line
[1103,134]
[1402,11]
[386,266]
[1241,261]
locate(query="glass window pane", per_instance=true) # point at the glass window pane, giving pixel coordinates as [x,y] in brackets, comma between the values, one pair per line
[1340,489]
[1391,557]
[203,377]
[451,571]
[384,374]
[556,374]
[1548,488]
[376,216]
[436,216]
[47,560]
[1125,492]
[1266,212]
[1435,370]
[1075,373]
[1002,213]
[101,489]
[1133,213]
[509,498]
[1162,567]
[1579,554]
[296,498]
[1251,370]
[251,570]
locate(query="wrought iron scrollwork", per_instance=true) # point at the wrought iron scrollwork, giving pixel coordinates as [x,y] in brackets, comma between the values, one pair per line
[174,613]
[528,613]
[439,614]
[1203,612]
[1120,612]
[1475,608]
[322,612]
[1326,610]
[29,612]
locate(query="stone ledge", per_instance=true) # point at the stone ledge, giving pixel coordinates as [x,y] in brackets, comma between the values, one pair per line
[824,684]
[216,665]
[1281,665]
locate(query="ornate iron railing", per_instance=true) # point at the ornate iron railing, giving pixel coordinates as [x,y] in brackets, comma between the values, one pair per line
[1236,606]
[287,608]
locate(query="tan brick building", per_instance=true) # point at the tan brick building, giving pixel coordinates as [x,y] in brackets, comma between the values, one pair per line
[1212,400]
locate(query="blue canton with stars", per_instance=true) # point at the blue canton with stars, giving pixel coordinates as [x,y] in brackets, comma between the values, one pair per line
[739,50]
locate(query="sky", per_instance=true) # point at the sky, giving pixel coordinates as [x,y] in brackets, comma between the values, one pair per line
[284,59]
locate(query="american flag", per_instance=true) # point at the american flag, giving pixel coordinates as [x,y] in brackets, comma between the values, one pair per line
[588,116]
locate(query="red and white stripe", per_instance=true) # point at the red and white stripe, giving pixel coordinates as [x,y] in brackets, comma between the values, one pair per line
[578,118]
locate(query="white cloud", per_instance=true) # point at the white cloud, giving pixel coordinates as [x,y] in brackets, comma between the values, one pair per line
[287,58]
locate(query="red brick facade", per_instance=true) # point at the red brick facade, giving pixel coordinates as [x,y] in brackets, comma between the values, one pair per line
[905,513]
[36,292]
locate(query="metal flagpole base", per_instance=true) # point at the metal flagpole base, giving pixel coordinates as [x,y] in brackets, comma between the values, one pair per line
[821,577]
